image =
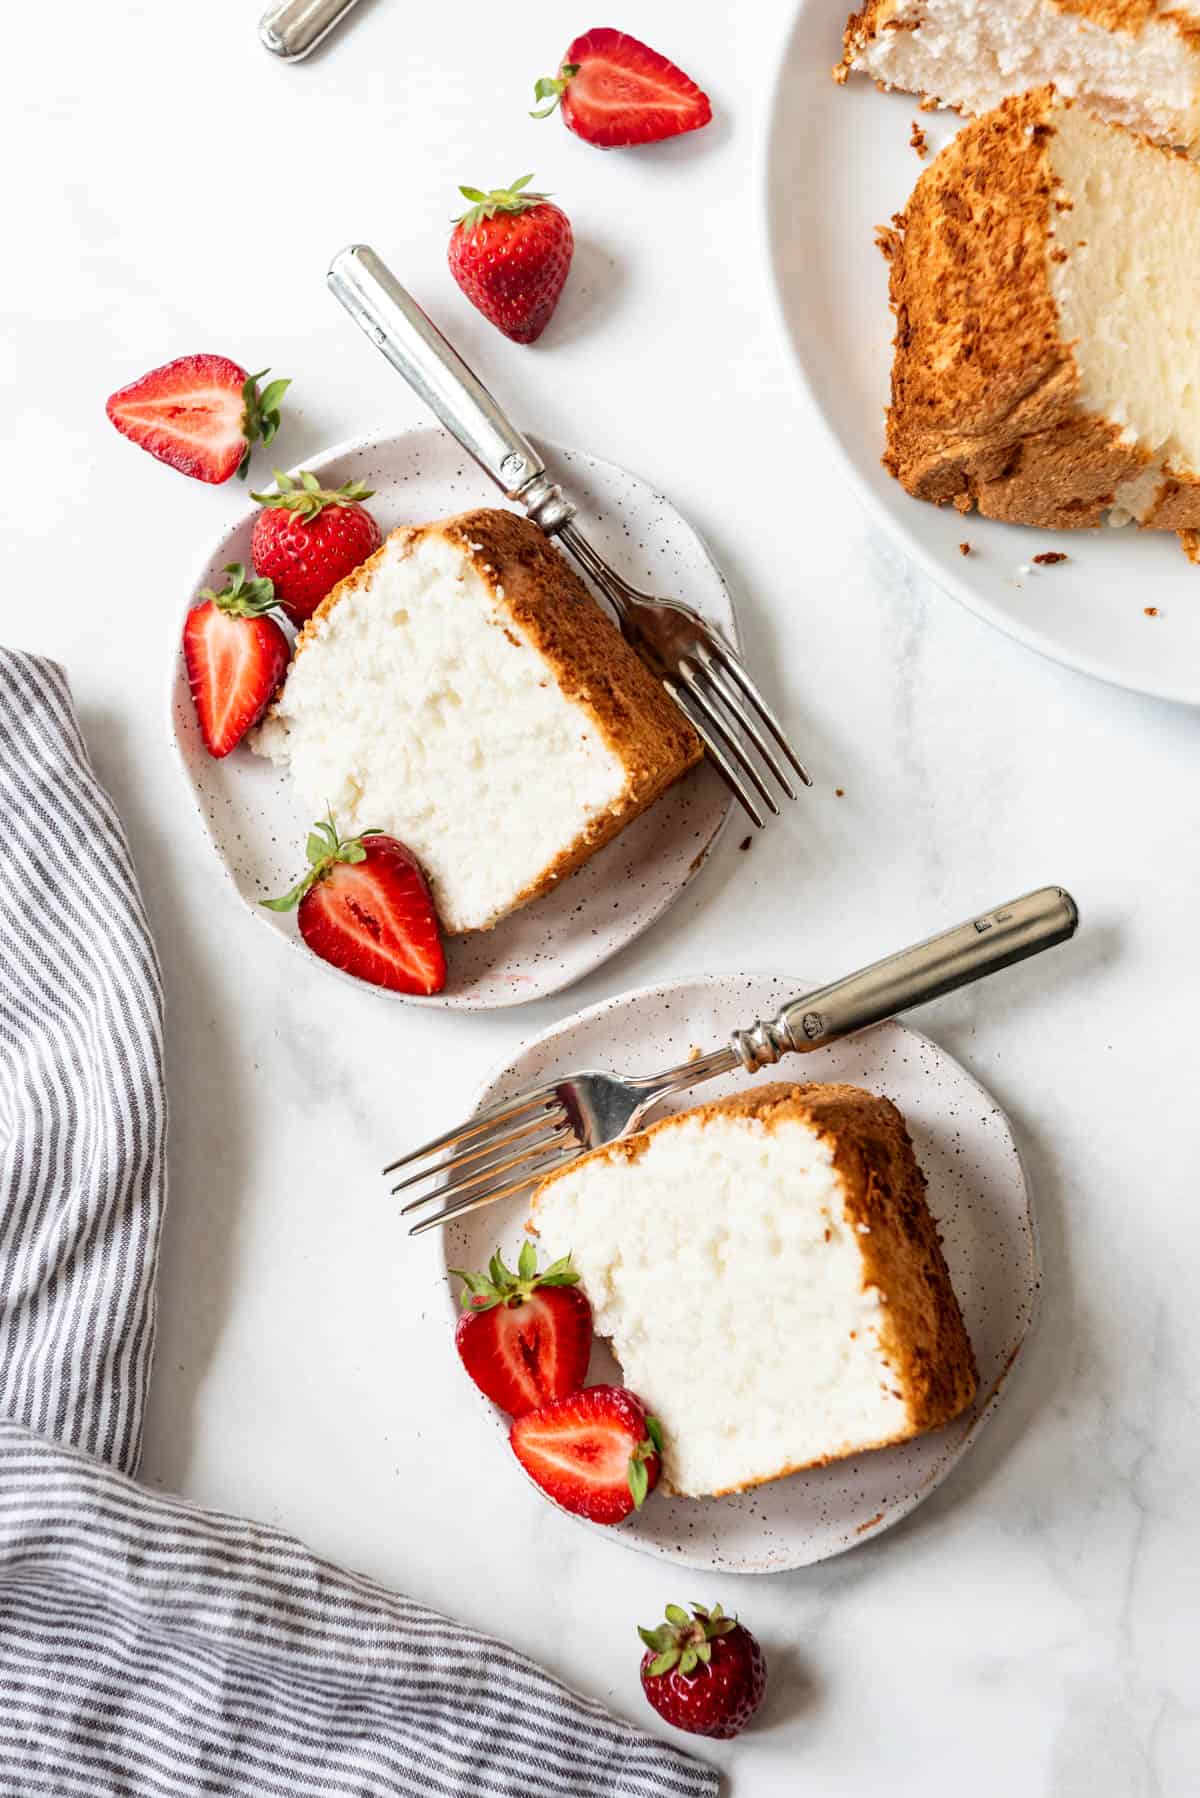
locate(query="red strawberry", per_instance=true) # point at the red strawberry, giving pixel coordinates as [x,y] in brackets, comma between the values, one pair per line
[615,91]
[595,1453]
[525,1337]
[510,255]
[704,1673]
[235,658]
[364,905]
[201,414]
[307,538]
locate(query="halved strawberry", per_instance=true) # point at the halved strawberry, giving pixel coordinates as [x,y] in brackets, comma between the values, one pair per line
[365,906]
[235,655]
[199,414]
[526,1337]
[615,91]
[596,1453]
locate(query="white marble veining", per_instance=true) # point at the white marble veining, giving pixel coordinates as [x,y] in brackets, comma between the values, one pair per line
[1031,1628]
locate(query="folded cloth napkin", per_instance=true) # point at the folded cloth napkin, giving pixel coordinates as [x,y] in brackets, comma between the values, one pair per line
[150,1649]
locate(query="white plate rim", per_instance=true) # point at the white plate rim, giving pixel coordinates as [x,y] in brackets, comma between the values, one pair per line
[367,443]
[985,1409]
[892,526]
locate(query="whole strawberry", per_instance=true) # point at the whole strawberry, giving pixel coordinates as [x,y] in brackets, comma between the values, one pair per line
[704,1673]
[307,538]
[524,1337]
[510,255]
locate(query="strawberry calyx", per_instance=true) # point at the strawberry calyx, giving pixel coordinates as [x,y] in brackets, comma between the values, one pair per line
[512,199]
[325,849]
[242,598]
[552,88]
[685,1641]
[307,498]
[500,1286]
[260,420]
[647,1449]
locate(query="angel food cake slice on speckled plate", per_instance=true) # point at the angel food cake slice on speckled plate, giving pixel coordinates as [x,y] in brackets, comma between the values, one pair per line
[463,692]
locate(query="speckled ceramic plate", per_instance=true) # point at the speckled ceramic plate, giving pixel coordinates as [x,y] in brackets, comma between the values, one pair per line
[257,826]
[977,1192]
[839,162]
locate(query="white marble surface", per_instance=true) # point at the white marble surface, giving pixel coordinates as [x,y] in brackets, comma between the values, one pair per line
[1031,1628]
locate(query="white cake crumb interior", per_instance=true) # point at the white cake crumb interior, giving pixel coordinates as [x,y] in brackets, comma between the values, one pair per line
[1126,290]
[723,1268]
[421,708]
[971,54]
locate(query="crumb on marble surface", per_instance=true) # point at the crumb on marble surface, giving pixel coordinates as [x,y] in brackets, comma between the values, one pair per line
[1049,557]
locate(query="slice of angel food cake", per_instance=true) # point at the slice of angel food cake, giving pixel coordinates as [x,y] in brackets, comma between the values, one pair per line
[463,692]
[1135,62]
[1043,277]
[771,1280]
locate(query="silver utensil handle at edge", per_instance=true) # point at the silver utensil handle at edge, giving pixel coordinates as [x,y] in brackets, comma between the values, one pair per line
[981,946]
[436,372]
[292,28]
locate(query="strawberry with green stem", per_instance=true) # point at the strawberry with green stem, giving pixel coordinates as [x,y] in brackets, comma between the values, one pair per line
[524,1337]
[365,907]
[236,655]
[307,538]
[510,254]
[703,1672]
[201,415]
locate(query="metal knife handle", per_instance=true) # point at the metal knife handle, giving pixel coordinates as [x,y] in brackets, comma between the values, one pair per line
[983,945]
[436,372]
[292,28]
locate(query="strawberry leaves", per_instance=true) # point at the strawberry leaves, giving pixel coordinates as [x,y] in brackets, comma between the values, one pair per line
[650,1448]
[511,199]
[684,1641]
[552,88]
[260,420]
[325,848]
[242,598]
[501,1286]
[306,497]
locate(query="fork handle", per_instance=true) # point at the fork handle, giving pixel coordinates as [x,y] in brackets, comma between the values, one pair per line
[437,373]
[942,964]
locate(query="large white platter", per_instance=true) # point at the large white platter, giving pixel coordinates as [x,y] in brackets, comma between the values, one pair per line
[977,1193]
[839,164]
[257,826]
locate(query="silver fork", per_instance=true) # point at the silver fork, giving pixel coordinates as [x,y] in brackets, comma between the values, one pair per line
[508,1146]
[702,672]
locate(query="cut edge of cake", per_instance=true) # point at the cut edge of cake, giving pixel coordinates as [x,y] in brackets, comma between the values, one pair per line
[919,1326]
[1128,60]
[998,387]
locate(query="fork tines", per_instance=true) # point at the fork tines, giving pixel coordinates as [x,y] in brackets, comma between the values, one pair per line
[502,1149]
[714,691]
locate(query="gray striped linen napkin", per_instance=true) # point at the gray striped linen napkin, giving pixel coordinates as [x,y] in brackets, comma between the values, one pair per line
[148,1648]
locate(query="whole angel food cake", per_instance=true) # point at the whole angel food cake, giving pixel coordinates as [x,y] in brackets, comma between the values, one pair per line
[1044,277]
[463,692]
[1133,61]
[771,1279]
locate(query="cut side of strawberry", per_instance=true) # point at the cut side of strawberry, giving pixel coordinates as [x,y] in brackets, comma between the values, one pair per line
[616,91]
[365,907]
[596,1453]
[524,1337]
[235,656]
[199,414]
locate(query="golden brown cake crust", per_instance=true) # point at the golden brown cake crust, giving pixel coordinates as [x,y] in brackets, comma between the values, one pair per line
[921,1329]
[539,592]
[984,409]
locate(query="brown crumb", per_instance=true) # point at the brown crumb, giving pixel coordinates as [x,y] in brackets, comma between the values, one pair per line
[839,792]
[745,844]
[1049,557]
[929,104]
[1150,611]
[1058,255]
[964,549]
[695,1052]
[917,140]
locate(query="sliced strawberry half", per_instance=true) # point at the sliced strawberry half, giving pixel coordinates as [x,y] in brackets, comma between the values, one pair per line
[365,907]
[524,1337]
[616,91]
[596,1453]
[199,414]
[235,656]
